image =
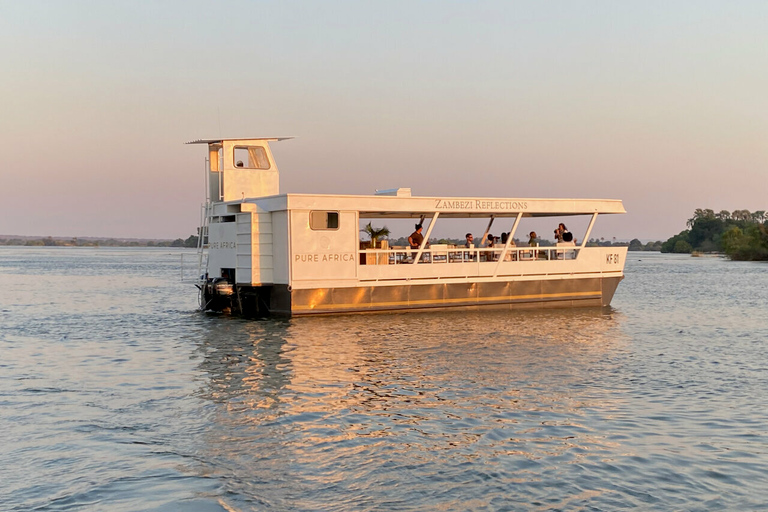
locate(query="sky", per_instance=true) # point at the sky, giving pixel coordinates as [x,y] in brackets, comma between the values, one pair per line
[662,104]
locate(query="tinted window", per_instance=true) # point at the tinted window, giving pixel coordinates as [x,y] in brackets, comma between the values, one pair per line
[320,220]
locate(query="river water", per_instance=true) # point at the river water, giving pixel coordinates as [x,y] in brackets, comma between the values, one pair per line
[116,394]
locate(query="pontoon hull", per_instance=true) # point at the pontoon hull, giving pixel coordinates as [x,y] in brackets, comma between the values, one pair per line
[279,300]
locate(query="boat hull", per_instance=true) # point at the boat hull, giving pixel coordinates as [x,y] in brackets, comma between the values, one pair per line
[542,293]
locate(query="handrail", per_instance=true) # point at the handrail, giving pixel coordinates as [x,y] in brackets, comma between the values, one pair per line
[442,255]
[425,240]
[508,243]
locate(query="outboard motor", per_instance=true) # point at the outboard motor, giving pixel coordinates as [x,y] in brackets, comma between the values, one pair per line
[218,294]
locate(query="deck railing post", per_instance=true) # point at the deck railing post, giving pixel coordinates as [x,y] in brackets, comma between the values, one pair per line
[589,230]
[426,238]
[509,242]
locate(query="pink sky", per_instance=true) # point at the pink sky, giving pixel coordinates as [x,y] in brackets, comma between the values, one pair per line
[660,104]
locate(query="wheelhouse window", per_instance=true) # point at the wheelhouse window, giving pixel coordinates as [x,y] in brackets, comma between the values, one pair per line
[253,157]
[321,220]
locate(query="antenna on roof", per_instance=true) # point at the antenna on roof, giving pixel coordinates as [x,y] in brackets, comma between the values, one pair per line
[218,115]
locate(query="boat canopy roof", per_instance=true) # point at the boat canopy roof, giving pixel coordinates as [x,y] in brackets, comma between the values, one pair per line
[219,141]
[393,207]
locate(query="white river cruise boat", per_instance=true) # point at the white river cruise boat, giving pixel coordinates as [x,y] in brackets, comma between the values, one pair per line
[266,253]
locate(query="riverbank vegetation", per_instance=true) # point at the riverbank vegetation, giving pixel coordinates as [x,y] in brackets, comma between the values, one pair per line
[740,235]
[190,242]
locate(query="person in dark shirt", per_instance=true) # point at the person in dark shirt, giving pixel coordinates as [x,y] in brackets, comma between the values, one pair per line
[489,255]
[416,237]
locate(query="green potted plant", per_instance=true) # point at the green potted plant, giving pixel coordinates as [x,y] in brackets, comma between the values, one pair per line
[375,234]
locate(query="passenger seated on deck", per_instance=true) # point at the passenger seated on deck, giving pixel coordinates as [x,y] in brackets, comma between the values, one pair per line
[469,244]
[511,255]
[533,241]
[239,163]
[489,256]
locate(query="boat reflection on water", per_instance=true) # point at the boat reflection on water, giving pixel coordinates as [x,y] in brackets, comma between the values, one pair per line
[306,404]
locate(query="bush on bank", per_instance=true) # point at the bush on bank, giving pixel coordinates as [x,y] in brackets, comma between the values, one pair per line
[740,234]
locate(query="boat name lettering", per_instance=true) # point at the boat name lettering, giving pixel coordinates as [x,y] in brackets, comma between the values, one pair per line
[223,245]
[611,258]
[478,204]
[320,258]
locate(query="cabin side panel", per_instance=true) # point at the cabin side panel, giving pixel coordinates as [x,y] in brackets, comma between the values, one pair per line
[238,184]
[244,240]
[222,252]
[254,248]
[318,253]
[280,249]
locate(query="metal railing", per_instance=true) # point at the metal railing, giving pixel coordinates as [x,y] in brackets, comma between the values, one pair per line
[193,266]
[440,255]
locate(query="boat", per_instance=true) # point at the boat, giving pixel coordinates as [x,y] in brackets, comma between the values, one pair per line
[264,253]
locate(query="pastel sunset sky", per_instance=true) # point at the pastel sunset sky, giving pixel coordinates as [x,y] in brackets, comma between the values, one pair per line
[663,104]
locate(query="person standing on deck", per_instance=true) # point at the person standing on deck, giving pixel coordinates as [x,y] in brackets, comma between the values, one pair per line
[416,237]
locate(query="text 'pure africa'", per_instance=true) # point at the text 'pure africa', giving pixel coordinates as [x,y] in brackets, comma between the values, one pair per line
[318,258]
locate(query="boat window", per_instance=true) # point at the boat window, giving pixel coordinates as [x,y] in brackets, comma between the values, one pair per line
[320,220]
[253,157]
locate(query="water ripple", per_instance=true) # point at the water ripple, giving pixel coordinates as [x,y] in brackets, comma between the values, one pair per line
[118,395]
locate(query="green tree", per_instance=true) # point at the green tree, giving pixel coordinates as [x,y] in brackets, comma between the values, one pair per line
[670,244]
[724,215]
[750,244]
[191,241]
[741,215]
[653,246]
[706,229]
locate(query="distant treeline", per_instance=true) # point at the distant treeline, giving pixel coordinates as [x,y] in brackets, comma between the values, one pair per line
[741,235]
[637,245]
[91,242]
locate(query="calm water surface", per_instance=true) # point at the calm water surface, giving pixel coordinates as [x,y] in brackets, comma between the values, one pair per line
[116,394]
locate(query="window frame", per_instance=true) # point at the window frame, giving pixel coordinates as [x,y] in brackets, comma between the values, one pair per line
[247,150]
[327,212]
